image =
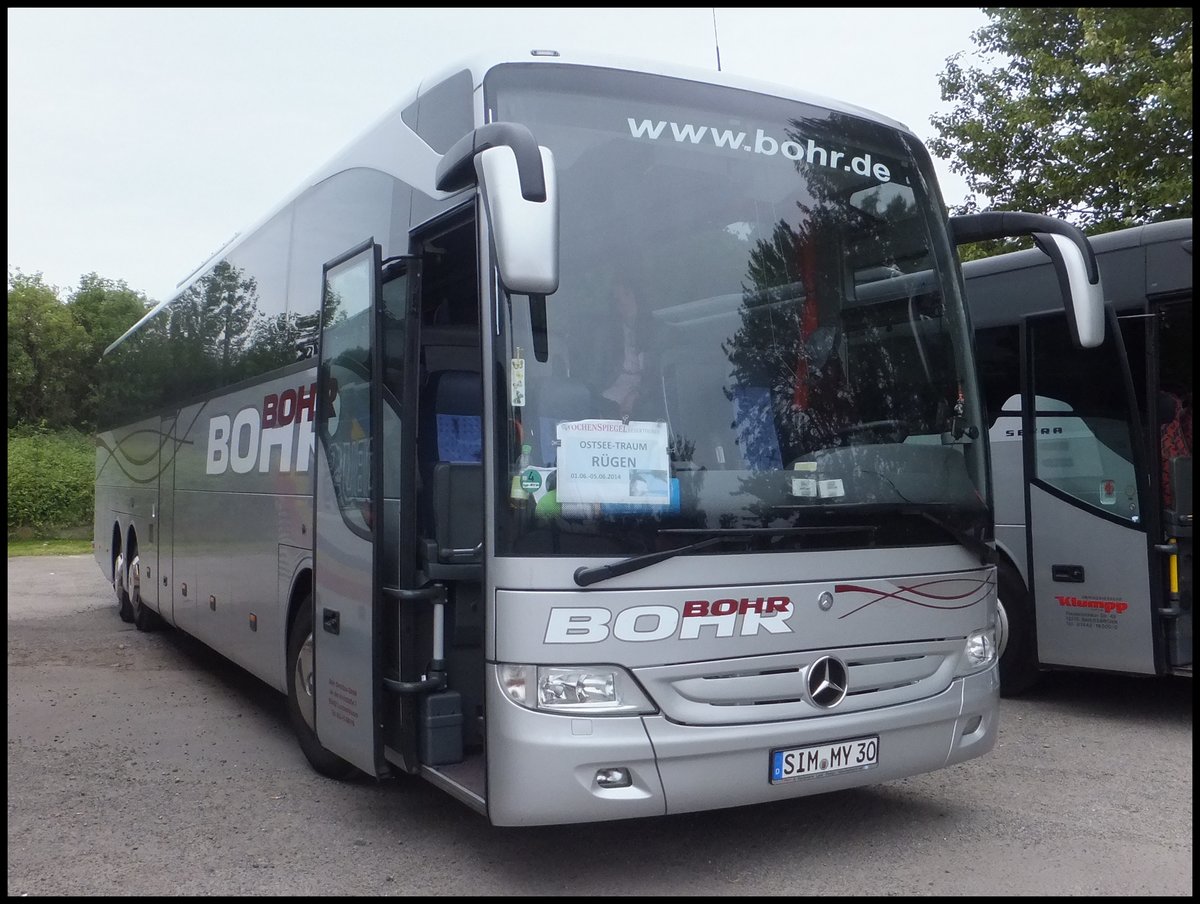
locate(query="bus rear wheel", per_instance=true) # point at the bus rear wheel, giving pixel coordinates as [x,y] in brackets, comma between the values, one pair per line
[1017,639]
[301,696]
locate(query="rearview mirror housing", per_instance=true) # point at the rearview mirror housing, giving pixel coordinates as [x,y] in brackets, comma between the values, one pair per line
[1065,245]
[516,179]
[524,232]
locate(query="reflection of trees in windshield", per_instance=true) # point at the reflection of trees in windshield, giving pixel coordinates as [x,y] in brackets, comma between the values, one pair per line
[788,386]
[764,347]
[813,356]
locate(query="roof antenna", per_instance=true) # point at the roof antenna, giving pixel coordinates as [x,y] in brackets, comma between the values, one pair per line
[715,42]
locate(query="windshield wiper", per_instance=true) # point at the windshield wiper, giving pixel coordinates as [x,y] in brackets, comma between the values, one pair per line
[585,576]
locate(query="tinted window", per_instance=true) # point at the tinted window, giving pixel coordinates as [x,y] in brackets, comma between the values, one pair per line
[331,218]
[756,324]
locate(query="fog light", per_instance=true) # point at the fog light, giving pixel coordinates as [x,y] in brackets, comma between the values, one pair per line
[617,777]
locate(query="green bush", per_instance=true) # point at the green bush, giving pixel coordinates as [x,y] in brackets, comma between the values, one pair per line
[50,480]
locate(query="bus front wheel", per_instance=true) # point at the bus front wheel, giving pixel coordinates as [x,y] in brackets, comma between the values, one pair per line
[301,695]
[144,618]
[1017,639]
[124,607]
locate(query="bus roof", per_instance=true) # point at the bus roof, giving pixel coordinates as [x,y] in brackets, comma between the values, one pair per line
[482,63]
[1136,264]
[362,150]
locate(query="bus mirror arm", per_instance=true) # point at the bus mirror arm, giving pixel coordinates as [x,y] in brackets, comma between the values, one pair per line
[998,224]
[1066,245]
[537,323]
[457,169]
[516,179]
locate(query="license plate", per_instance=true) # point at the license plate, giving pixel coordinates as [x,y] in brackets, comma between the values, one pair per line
[794,763]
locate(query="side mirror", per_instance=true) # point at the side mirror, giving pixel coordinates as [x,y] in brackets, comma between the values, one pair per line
[1084,298]
[524,232]
[1069,249]
[520,197]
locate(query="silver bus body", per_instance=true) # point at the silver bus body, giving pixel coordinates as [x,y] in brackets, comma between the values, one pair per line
[790,615]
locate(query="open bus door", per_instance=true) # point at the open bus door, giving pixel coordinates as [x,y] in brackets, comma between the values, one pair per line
[1095,603]
[368,673]
[1171,342]
[347,560]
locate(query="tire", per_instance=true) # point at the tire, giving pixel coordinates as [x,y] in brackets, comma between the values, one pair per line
[124,605]
[1019,672]
[300,696]
[144,618]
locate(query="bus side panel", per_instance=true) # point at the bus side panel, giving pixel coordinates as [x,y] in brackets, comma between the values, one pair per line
[127,469]
[1106,620]
[158,584]
[243,489]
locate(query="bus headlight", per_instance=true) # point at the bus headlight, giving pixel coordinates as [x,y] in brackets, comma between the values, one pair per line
[979,651]
[594,690]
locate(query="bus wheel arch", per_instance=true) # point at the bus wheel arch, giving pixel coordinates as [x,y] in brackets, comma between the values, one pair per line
[1016,627]
[300,595]
[301,690]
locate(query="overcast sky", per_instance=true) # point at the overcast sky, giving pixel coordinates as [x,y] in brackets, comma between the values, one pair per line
[139,141]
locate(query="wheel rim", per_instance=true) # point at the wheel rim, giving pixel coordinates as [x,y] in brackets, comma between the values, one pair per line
[119,578]
[1001,627]
[305,681]
[135,583]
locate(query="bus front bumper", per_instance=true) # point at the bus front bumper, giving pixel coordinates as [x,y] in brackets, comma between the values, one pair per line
[544,769]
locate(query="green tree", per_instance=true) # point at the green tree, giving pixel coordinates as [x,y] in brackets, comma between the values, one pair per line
[45,346]
[1084,113]
[105,309]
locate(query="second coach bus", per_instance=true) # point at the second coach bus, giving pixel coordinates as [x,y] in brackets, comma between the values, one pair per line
[1091,459]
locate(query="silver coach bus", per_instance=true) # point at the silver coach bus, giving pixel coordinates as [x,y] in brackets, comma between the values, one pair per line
[593,439]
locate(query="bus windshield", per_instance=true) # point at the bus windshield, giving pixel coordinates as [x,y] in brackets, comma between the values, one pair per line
[757,326]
